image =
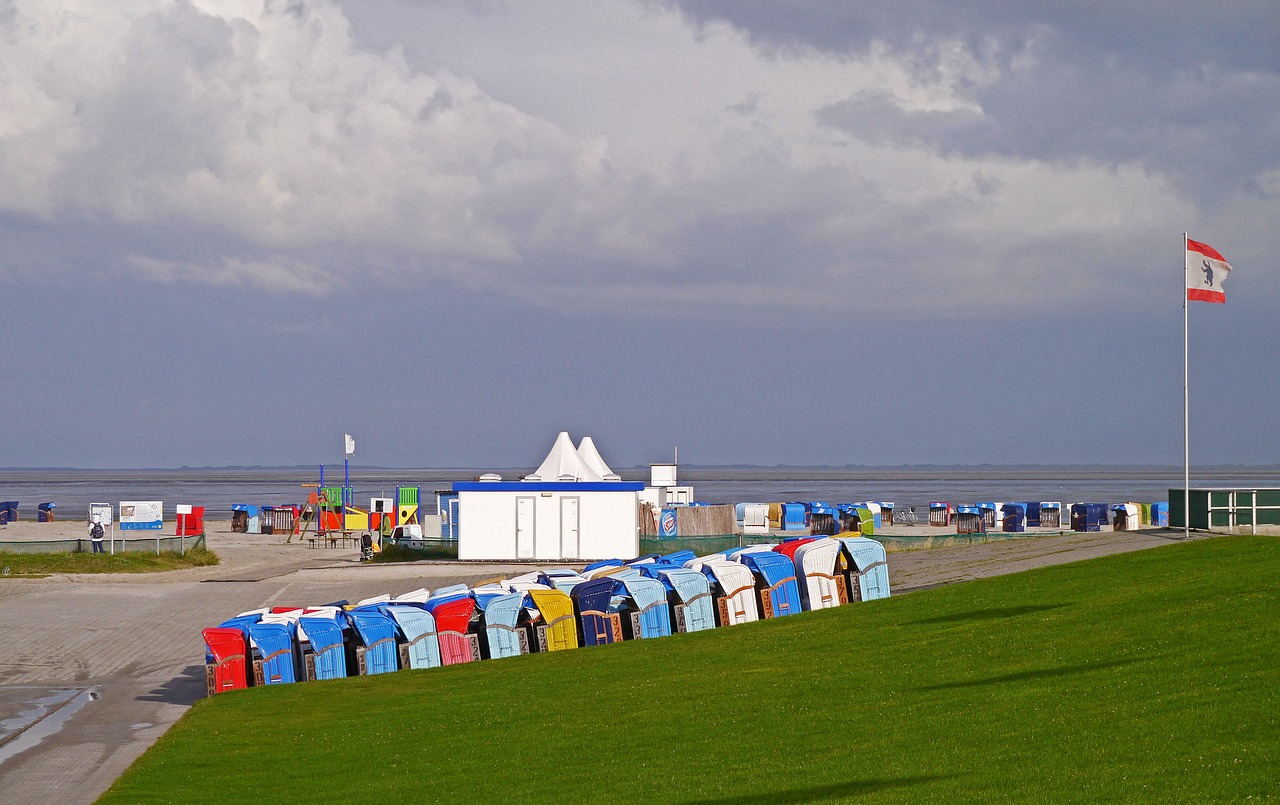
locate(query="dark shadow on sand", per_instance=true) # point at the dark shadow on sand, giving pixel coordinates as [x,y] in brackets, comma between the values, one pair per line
[186,688]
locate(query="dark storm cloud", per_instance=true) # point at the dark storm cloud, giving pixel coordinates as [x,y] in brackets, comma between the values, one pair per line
[1153,83]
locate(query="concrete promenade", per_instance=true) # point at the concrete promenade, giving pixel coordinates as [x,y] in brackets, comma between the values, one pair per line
[95,668]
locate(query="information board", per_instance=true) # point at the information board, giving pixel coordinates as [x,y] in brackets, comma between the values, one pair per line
[141,515]
[100,513]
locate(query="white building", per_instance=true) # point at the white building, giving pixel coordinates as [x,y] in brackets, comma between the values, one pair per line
[573,508]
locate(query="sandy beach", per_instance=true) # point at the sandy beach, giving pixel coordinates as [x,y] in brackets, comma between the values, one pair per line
[95,668]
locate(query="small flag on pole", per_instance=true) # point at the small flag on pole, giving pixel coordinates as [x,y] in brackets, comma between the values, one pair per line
[351,443]
[1206,271]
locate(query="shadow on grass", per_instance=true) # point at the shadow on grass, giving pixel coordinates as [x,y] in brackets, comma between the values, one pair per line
[988,614]
[1043,673]
[852,788]
[183,689]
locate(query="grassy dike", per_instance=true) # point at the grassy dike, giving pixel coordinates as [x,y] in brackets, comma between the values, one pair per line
[43,564]
[1146,676]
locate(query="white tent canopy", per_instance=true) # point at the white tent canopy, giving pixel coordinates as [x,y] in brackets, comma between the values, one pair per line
[591,457]
[563,463]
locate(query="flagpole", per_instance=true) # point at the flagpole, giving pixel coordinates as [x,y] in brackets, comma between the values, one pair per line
[1186,409]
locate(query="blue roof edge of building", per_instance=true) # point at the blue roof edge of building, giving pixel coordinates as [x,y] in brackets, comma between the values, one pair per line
[547,486]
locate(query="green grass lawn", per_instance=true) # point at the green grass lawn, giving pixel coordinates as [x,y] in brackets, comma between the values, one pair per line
[42,564]
[1149,676]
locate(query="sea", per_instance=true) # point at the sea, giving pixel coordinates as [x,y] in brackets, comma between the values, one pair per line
[217,488]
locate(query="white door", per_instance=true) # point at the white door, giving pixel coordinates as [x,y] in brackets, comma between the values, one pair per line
[524,527]
[569,528]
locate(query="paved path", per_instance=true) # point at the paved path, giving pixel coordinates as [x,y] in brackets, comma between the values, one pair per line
[93,669]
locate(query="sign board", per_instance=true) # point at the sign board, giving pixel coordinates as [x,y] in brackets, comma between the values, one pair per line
[100,513]
[182,508]
[141,515]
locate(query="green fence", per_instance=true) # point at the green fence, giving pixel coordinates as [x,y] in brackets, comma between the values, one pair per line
[905,543]
[142,545]
[1226,508]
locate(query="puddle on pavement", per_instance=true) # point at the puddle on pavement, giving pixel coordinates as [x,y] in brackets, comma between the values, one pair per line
[41,717]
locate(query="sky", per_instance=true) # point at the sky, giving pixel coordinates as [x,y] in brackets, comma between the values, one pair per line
[787,232]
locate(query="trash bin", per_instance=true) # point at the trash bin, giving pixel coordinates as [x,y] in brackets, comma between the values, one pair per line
[44,512]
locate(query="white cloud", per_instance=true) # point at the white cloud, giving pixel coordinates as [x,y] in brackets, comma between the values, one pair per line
[581,150]
[266,275]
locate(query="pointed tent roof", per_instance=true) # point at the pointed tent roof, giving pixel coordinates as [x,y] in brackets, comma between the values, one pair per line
[564,463]
[591,457]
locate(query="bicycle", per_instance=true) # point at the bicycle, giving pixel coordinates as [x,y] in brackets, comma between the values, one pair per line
[907,516]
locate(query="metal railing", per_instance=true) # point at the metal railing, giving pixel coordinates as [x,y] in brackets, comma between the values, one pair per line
[155,545]
[1235,507]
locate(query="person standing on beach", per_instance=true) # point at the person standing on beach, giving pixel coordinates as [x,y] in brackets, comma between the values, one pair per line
[95,534]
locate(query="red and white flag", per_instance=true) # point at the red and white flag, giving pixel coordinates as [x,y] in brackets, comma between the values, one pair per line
[1206,271]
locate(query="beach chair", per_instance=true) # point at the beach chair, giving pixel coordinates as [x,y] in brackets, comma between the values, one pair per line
[1015,518]
[224,660]
[970,520]
[597,623]
[271,646]
[554,628]
[500,616]
[821,586]
[561,578]
[644,607]
[371,645]
[324,654]
[417,641]
[453,627]
[775,582]
[733,589]
[689,596]
[865,566]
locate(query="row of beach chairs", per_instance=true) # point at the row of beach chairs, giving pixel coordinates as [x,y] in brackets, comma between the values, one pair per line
[547,610]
